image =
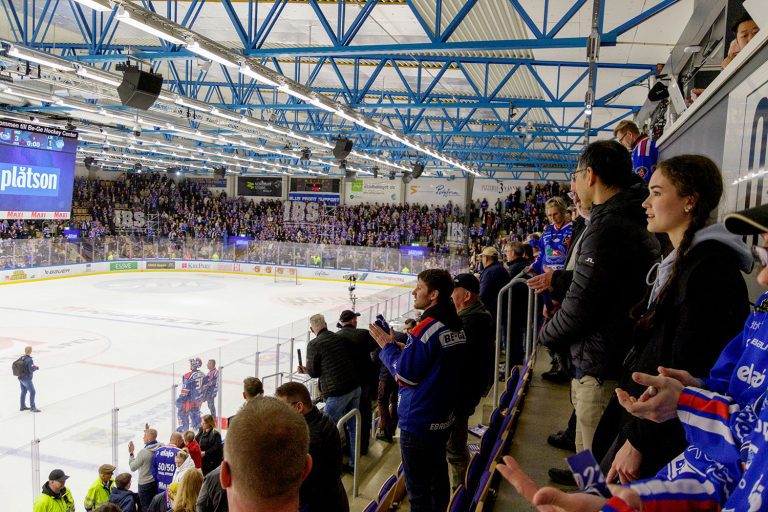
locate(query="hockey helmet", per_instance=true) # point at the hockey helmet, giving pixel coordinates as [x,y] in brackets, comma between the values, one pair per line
[195,363]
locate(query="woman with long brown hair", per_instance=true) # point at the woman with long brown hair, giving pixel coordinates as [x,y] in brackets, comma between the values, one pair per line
[189,489]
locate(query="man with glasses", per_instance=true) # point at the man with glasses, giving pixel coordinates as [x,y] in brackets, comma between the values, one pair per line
[593,324]
[645,156]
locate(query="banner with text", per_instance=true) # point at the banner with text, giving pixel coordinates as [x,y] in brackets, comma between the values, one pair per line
[373,190]
[435,191]
[255,186]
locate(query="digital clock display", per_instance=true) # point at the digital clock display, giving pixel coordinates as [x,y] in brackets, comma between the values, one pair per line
[32,140]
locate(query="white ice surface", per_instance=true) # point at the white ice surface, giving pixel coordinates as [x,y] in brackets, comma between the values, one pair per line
[95,337]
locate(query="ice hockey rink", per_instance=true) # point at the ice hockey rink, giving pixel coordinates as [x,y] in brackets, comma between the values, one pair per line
[111,347]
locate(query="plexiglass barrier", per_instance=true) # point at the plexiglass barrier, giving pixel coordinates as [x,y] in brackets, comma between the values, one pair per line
[82,432]
[45,252]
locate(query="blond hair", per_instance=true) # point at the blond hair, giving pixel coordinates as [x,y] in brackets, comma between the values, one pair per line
[626,126]
[189,489]
[556,202]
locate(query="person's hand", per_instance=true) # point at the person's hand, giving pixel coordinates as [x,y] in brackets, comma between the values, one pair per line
[542,282]
[626,464]
[146,426]
[202,453]
[549,313]
[733,51]
[546,499]
[382,338]
[131,447]
[301,369]
[658,402]
[683,376]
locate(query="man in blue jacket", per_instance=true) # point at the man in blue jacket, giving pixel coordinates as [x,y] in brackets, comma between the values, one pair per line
[428,371]
[492,279]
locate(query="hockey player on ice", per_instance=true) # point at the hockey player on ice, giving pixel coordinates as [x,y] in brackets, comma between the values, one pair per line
[191,396]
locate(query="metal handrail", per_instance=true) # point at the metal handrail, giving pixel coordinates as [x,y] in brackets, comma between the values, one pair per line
[500,300]
[354,413]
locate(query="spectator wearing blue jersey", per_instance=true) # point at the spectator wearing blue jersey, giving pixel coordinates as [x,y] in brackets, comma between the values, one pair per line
[645,156]
[428,371]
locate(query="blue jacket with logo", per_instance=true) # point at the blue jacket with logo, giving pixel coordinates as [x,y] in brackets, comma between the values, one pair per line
[164,466]
[553,247]
[428,371]
[645,156]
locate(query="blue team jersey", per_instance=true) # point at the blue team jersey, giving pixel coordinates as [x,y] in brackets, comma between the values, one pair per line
[553,247]
[164,466]
[192,386]
[645,156]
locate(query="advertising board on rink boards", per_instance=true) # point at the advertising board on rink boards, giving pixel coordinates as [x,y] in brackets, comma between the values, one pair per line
[259,269]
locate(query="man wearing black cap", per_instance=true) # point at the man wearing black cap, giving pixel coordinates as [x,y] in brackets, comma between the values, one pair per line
[55,496]
[360,345]
[477,372]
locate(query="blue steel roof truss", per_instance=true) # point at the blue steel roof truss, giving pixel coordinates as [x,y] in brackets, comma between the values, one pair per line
[426,112]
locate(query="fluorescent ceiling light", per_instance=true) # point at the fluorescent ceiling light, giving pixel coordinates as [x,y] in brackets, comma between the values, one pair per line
[195,47]
[63,103]
[167,97]
[126,17]
[225,114]
[248,71]
[99,77]
[296,94]
[95,5]
[35,57]
[8,90]
[320,104]
[344,115]
[196,105]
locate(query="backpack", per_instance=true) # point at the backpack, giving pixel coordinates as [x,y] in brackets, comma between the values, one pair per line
[19,367]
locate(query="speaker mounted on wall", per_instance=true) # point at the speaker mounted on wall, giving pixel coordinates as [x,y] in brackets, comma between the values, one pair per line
[139,89]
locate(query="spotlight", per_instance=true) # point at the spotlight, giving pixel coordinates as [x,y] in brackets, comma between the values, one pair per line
[375,172]
[70,126]
[392,175]
[342,149]
[219,170]
[137,166]
[343,166]
[306,154]
[90,163]
[418,168]
[407,177]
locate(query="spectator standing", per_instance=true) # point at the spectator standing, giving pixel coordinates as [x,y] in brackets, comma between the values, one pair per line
[183,464]
[25,381]
[211,386]
[387,396]
[212,497]
[645,156]
[55,496]
[322,490]
[492,279]
[517,262]
[361,346]
[192,446]
[615,254]
[329,360]
[426,370]
[122,496]
[99,492]
[164,461]
[696,305]
[144,464]
[477,371]
[270,432]
[209,440]
[189,489]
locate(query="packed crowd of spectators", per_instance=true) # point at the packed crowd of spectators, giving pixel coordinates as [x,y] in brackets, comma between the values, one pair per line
[187,210]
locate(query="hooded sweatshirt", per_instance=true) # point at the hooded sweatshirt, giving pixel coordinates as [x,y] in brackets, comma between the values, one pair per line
[715,232]
[143,462]
[185,466]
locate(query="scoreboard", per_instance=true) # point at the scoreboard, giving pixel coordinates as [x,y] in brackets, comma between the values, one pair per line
[318,185]
[33,140]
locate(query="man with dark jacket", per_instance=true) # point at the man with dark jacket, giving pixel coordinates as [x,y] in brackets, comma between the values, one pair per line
[360,346]
[477,371]
[212,497]
[322,490]
[612,261]
[517,262]
[492,279]
[329,360]
[428,370]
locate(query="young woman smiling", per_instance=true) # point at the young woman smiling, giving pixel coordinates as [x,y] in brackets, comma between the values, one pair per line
[696,303]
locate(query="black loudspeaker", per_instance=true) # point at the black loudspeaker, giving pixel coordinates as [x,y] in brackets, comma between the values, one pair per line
[90,163]
[350,175]
[342,149]
[139,89]
[392,175]
[417,170]
[219,171]
[658,92]
[407,177]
